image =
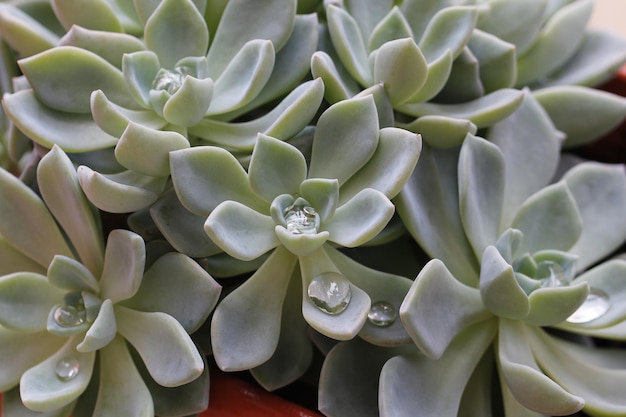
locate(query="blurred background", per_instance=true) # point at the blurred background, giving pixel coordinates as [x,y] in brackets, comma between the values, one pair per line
[610,14]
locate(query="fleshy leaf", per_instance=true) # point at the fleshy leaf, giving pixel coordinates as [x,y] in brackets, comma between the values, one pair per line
[402,68]
[42,390]
[360,219]
[556,43]
[481,191]
[439,71]
[24,33]
[499,289]
[26,223]
[60,189]
[188,105]
[168,352]
[438,307]
[244,77]
[550,306]
[300,244]
[206,176]
[245,327]
[441,131]
[176,30]
[415,382]
[496,60]
[124,262]
[64,77]
[483,111]
[275,168]
[49,127]
[337,87]
[140,70]
[102,331]
[322,194]
[450,28]
[549,219]
[12,260]
[69,274]
[350,128]
[368,14]
[189,298]
[530,386]
[122,390]
[25,300]
[98,15]
[392,26]
[241,231]
[146,150]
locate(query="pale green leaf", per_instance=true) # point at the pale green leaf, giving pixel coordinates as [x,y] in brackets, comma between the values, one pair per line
[441,131]
[450,28]
[188,105]
[392,26]
[96,15]
[24,33]
[102,331]
[124,261]
[139,70]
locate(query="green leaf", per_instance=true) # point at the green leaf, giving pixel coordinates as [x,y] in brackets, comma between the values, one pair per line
[499,289]
[245,327]
[483,111]
[42,390]
[241,231]
[401,67]
[300,244]
[322,194]
[60,189]
[122,390]
[349,43]
[97,15]
[245,20]
[123,192]
[188,105]
[13,261]
[275,168]
[583,114]
[496,60]
[368,14]
[438,307]
[550,306]
[48,127]
[360,219]
[345,325]
[64,77]
[139,70]
[20,351]
[439,71]
[392,26]
[415,382]
[549,219]
[124,261]
[441,131]
[189,298]
[25,301]
[336,86]
[350,128]
[463,83]
[528,384]
[102,331]
[206,176]
[556,43]
[109,45]
[69,274]
[531,147]
[390,167]
[146,150]
[176,30]
[24,33]
[168,352]
[450,28]
[26,223]
[481,191]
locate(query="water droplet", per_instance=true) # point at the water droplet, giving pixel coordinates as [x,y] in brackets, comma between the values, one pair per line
[69,316]
[595,306]
[551,274]
[301,219]
[330,292]
[67,369]
[382,314]
[167,80]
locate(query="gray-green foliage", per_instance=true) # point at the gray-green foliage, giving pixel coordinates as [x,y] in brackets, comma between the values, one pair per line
[277,145]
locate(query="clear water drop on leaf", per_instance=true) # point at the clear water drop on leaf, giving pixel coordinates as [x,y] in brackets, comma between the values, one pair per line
[168,80]
[382,314]
[330,292]
[595,306]
[551,274]
[67,369]
[301,219]
[73,312]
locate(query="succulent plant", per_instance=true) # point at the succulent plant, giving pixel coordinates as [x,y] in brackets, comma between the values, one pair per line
[69,306]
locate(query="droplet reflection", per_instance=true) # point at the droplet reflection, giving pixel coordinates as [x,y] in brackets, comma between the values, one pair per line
[301,219]
[67,369]
[595,306]
[382,314]
[330,292]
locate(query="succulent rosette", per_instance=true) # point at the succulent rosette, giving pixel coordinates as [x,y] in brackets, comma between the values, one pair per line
[99,91]
[74,314]
[521,274]
[296,216]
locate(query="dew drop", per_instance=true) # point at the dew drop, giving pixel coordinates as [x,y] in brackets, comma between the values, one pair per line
[67,369]
[382,314]
[595,306]
[69,316]
[330,292]
[301,219]
[551,274]
[167,80]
